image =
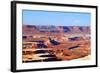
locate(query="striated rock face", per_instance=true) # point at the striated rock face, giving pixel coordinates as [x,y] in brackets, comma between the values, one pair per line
[55,29]
[55,43]
[76,29]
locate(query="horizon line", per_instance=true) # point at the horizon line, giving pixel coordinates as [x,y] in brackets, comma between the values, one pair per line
[54,25]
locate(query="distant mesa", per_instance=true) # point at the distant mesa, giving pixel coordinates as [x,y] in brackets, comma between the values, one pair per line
[47,28]
[56,29]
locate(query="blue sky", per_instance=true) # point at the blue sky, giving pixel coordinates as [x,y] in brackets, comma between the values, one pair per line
[33,17]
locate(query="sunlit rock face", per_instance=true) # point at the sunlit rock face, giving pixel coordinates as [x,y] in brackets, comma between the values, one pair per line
[55,43]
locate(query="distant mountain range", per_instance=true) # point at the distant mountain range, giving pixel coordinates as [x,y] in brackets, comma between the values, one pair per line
[55,29]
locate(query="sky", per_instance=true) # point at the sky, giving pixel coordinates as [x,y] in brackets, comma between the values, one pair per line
[36,17]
